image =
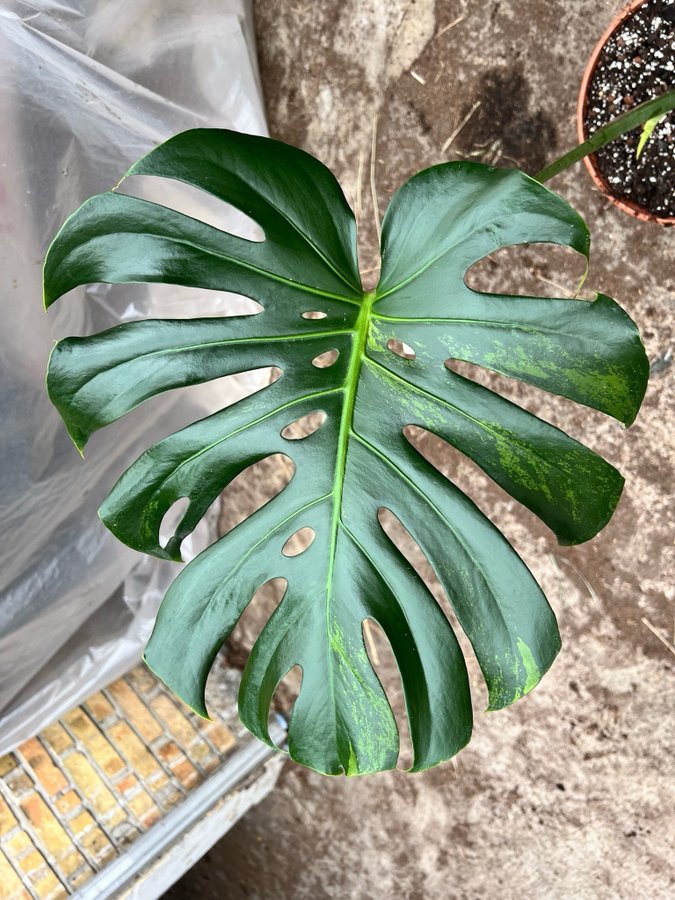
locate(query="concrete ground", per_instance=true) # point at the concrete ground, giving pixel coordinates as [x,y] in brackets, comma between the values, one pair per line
[565,795]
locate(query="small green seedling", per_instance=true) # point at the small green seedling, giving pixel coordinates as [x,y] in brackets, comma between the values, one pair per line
[646,133]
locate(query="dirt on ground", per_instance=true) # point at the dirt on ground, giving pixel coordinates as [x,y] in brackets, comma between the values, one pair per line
[569,793]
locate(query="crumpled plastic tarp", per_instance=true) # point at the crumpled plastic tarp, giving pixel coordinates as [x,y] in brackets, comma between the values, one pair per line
[87,87]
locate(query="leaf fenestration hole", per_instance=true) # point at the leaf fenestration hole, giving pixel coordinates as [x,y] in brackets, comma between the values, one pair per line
[298,542]
[406,544]
[304,426]
[486,376]
[286,692]
[558,411]
[173,301]
[171,519]
[194,202]
[452,364]
[400,348]
[253,488]
[326,359]
[539,270]
[314,314]
[258,611]
[414,434]
[465,474]
[383,661]
[401,538]
[442,455]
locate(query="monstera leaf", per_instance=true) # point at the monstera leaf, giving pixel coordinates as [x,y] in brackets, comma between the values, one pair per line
[359,461]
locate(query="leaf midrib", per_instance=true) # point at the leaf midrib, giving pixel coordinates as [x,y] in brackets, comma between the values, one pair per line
[351,382]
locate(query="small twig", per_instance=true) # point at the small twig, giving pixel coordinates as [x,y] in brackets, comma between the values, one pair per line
[418,78]
[439,73]
[555,284]
[461,125]
[373,186]
[374,655]
[450,25]
[494,153]
[359,183]
[589,587]
[661,362]
[658,634]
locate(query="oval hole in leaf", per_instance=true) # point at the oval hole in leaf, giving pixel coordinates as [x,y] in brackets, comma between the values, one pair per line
[400,348]
[171,519]
[304,426]
[253,488]
[298,542]
[539,270]
[326,359]
[314,314]
[194,202]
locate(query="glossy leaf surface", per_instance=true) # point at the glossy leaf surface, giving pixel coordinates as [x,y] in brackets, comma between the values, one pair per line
[359,461]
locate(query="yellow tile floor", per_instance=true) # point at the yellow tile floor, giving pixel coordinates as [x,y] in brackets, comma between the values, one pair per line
[78,793]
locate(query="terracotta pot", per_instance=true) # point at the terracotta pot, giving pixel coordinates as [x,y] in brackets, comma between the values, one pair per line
[590,162]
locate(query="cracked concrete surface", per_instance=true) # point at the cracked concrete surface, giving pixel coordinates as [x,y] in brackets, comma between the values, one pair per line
[566,794]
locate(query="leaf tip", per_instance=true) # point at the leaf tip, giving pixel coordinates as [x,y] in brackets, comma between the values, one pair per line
[78,438]
[198,706]
[48,296]
[528,670]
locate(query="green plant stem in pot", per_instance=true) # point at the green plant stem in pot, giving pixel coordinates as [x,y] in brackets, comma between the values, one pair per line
[360,460]
[634,118]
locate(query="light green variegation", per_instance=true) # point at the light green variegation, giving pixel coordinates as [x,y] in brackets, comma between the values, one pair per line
[359,461]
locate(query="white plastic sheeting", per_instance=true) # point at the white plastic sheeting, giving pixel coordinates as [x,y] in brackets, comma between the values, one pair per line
[87,87]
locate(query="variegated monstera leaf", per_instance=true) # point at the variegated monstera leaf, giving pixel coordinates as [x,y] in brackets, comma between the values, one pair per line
[359,461]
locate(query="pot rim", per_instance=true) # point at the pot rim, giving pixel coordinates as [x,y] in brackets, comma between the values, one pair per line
[627,206]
